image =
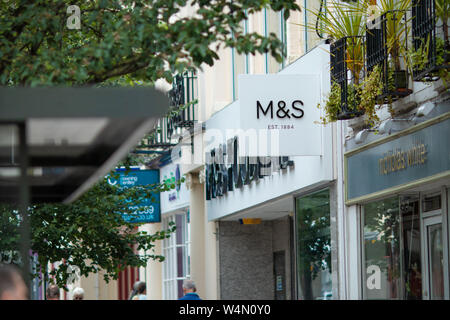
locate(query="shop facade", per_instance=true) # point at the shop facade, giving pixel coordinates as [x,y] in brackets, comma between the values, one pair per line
[276,216]
[164,279]
[397,189]
[176,249]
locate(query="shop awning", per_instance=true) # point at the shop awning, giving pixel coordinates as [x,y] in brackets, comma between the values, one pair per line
[74,136]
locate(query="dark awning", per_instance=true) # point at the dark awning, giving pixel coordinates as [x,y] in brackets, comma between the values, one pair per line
[74,136]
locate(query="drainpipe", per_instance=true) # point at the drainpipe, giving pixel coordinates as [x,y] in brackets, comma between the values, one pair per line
[96,287]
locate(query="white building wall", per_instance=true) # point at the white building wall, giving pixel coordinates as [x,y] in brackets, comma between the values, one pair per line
[308,170]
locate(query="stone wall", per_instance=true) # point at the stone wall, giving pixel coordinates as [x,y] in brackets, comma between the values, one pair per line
[246,261]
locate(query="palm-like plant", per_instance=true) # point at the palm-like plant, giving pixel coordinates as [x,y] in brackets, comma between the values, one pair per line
[339,21]
[344,20]
[352,97]
[442,8]
[396,27]
[396,24]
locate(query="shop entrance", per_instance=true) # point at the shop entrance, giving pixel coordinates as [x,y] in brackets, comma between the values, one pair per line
[433,259]
[405,249]
[435,249]
[424,247]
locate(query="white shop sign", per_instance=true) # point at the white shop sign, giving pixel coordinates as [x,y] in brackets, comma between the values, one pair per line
[281,111]
[178,197]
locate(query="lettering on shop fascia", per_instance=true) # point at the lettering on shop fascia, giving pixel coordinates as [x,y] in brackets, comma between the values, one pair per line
[397,160]
[281,112]
[226,171]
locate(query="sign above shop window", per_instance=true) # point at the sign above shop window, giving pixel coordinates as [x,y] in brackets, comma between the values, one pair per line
[400,161]
[178,196]
[279,115]
[226,171]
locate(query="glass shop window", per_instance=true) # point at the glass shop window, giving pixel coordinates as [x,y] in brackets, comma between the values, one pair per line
[314,246]
[391,249]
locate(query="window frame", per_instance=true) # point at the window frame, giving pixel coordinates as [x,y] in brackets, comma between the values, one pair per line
[169,250]
[334,270]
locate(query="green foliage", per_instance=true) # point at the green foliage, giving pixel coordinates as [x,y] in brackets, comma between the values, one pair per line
[120,43]
[396,26]
[442,8]
[314,241]
[372,89]
[360,97]
[133,159]
[418,59]
[89,233]
[348,20]
[333,102]
[332,106]
[343,20]
[9,234]
[117,38]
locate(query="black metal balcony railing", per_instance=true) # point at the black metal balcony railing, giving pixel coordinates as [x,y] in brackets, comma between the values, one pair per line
[387,45]
[184,92]
[162,136]
[347,70]
[168,130]
[428,34]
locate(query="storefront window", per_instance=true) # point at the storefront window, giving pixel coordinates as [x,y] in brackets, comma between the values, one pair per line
[382,250]
[176,253]
[431,203]
[392,252]
[313,246]
[412,270]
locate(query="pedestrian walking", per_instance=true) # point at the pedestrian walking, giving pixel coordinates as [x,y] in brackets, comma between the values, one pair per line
[139,291]
[12,286]
[78,294]
[53,292]
[189,291]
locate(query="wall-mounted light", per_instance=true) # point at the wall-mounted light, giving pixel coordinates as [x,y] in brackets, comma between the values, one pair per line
[424,110]
[395,125]
[362,135]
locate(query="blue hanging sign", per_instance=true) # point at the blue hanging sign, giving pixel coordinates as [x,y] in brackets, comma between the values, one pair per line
[147,210]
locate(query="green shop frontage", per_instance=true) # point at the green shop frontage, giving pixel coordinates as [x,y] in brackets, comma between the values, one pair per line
[400,185]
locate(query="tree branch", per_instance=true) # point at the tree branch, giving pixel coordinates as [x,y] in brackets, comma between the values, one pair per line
[129,66]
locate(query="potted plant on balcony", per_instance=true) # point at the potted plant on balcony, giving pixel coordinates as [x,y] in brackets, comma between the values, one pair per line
[343,24]
[395,30]
[353,89]
[419,61]
[362,97]
[442,8]
[429,59]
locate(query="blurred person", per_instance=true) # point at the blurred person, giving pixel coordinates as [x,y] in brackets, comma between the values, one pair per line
[189,291]
[53,292]
[139,291]
[12,286]
[78,294]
